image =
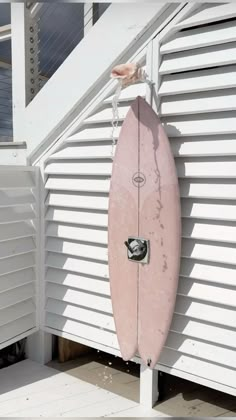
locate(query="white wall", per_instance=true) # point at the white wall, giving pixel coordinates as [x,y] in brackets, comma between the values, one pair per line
[18,273]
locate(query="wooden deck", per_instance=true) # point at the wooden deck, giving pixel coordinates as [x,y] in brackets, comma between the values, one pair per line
[28,389]
[100,385]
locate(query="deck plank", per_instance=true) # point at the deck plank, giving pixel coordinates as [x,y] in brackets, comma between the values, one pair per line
[30,390]
[102,386]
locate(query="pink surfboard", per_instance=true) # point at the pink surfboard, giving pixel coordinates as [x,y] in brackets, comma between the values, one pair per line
[144,235]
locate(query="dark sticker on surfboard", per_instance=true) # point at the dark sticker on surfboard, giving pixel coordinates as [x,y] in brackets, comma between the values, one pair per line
[138,249]
[139,179]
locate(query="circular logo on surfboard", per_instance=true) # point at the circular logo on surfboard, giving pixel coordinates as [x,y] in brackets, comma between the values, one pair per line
[139,179]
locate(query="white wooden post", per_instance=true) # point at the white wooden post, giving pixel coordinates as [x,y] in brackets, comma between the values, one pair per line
[148,386]
[24,45]
[39,345]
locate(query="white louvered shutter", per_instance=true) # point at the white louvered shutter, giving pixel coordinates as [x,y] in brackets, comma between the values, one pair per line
[197,77]
[78,302]
[18,274]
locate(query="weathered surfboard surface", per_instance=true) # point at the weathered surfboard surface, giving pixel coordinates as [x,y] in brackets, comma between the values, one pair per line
[144,202]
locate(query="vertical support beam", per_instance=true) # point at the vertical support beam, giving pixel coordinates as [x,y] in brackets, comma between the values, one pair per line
[88,17]
[149,71]
[148,386]
[39,345]
[25,78]
[152,68]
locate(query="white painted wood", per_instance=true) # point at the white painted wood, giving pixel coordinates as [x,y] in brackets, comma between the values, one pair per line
[149,71]
[85,151]
[39,346]
[15,214]
[60,134]
[20,16]
[10,198]
[195,81]
[77,217]
[218,145]
[195,348]
[81,330]
[220,33]
[12,156]
[5,33]
[77,265]
[79,168]
[203,144]
[215,188]
[87,316]
[148,386]
[129,93]
[42,391]
[76,249]
[78,184]
[211,56]
[205,250]
[203,315]
[16,279]
[214,101]
[78,281]
[184,11]
[16,247]
[197,110]
[224,210]
[28,376]
[207,292]
[21,310]
[64,199]
[198,380]
[16,328]
[73,232]
[208,271]
[14,178]
[209,230]
[203,124]
[94,134]
[212,14]
[200,368]
[105,115]
[10,297]
[81,83]
[202,168]
[212,167]
[114,405]
[16,230]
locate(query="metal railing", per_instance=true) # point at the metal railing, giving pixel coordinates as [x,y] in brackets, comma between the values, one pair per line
[6,130]
[55,45]
[59,28]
